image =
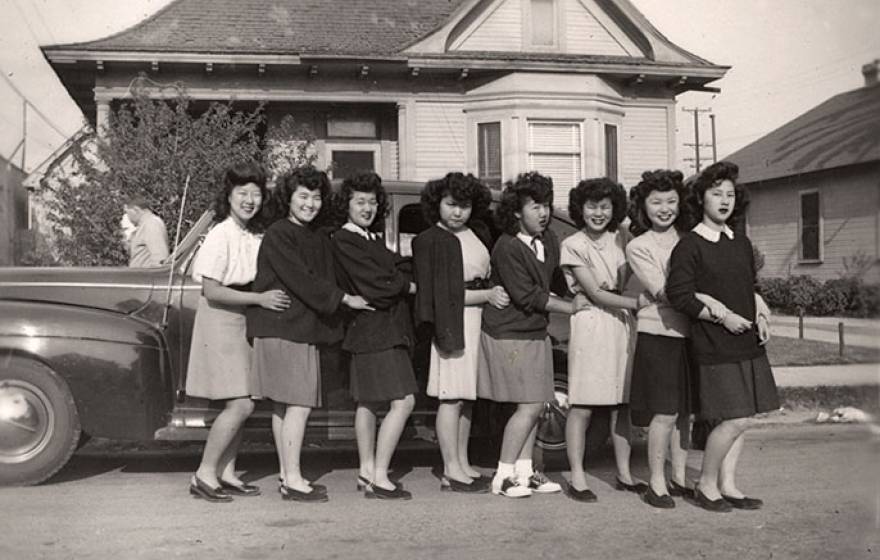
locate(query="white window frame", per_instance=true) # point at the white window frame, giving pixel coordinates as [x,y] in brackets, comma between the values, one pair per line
[617,128]
[821,224]
[580,134]
[558,23]
[373,146]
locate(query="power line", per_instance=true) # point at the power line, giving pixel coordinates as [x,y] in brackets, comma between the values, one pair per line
[34,107]
[36,8]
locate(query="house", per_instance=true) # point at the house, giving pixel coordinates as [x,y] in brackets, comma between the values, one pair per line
[815,188]
[13,211]
[415,88]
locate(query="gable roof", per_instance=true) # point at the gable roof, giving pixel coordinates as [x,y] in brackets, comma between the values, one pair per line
[845,130]
[355,27]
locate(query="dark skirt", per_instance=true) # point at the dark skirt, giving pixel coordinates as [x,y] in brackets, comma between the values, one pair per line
[661,379]
[286,372]
[513,370]
[737,390]
[386,375]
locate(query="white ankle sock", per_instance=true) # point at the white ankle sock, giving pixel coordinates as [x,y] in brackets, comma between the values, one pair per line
[523,468]
[505,470]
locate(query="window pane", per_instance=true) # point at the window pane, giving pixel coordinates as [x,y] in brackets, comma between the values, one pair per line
[350,162]
[543,23]
[351,128]
[489,155]
[554,137]
[810,226]
[611,152]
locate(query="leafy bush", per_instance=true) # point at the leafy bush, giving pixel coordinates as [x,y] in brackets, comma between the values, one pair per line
[846,296]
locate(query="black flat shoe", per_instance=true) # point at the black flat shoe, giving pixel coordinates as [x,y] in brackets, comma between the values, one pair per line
[288,493]
[452,485]
[586,495]
[638,487]
[676,490]
[744,502]
[718,506]
[656,500]
[246,490]
[315,487]
[378,493]
[362,483]
[198,488]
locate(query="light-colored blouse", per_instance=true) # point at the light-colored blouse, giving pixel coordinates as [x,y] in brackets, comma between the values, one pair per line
[604,257]
[648,256]
[228,255]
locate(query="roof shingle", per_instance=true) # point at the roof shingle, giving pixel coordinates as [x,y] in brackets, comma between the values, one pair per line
[845,130]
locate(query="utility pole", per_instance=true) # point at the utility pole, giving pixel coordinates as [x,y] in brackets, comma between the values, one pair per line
[714,145]
[696,144]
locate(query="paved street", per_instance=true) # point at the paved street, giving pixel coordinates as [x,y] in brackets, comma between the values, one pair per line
[820,484]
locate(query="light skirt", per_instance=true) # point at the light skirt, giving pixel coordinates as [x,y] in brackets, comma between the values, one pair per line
[219,356]
[454,375]
[600,355]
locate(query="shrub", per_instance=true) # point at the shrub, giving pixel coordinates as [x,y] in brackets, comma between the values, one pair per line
[831,299]
[846,296]
[802,290]
[775,293]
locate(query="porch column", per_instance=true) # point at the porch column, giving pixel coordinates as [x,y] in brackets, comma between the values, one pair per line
[406,139]
[102,116]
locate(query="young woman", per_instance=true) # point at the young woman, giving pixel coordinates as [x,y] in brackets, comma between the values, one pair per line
[601,343]
[735,378]
[661,395]
[516,356]
[298,260]
[379,341]
[452,269]
[219,360]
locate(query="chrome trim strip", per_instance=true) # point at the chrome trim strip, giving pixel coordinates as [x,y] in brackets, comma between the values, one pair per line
[92,285]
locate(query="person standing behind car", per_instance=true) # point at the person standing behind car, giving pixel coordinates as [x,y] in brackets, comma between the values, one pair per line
[219,360]
[148,245]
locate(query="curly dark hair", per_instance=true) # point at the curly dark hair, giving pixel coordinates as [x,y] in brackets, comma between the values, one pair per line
[465,189]
[660,180]
[713,176]
[366,183]
[516,193]
[595,190]
[236,175]
[308,177]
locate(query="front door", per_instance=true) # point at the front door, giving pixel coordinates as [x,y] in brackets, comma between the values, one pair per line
[349,158]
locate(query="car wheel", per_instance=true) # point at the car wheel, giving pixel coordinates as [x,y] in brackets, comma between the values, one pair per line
[39,424]
[551,425]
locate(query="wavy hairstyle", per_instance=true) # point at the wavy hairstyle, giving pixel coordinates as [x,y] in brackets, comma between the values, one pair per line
[660,180]
[462,188]
[305,176]
[365,183]
[595,190]
[713,176]
[516,193]
[236,175]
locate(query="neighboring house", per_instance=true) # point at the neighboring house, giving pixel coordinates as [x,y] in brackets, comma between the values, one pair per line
[13,211]
[414,89]
[815,188]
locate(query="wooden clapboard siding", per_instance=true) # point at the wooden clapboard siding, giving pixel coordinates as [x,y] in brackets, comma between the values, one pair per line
[644,142]
[440,141]
[500,31]
[849,205]
[584,34]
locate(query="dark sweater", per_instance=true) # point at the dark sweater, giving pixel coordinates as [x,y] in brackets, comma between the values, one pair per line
[439,273]
[726,271]
[367,268]
[299,261]
[528,282]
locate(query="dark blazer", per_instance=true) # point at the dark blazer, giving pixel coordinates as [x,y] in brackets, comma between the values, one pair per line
[367,268]
[299,261]
[528,282]
[439,273]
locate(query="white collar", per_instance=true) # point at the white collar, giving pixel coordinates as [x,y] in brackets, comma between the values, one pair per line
[354,228]
[538,246]
[710,234]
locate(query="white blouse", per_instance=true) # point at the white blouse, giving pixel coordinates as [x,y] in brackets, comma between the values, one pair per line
[228,255]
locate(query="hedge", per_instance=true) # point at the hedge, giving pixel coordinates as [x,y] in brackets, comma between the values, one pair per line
[849,296]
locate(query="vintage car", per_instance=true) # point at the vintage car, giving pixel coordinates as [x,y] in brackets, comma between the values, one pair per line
[103,351]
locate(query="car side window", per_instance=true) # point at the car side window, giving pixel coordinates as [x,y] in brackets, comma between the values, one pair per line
[411,222]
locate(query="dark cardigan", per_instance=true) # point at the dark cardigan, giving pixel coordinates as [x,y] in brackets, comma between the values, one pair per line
[726,271]
[439,273]
[528,282]
[299,261]
[367,268]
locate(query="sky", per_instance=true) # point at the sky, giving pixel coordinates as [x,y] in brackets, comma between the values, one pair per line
[787,56]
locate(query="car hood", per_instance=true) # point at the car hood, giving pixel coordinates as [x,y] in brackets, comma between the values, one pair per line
[119,289]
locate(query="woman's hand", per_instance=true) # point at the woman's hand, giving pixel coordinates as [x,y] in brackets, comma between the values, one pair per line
[357,302]
[736,324]
[498,297]
[274,300]
[763,325]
